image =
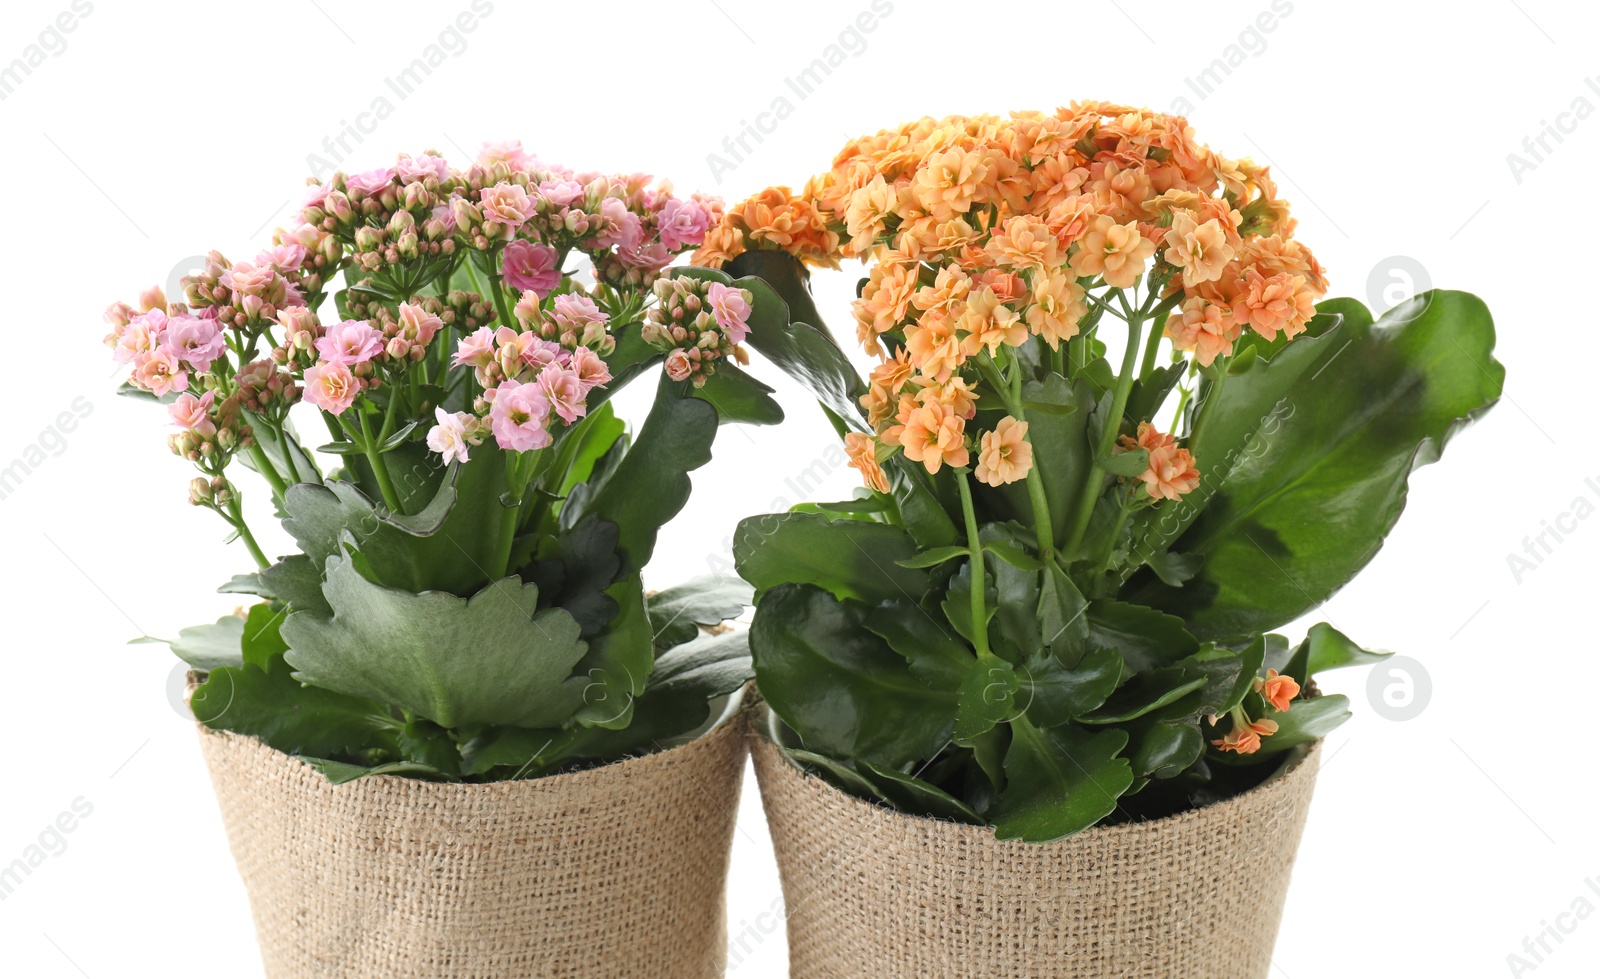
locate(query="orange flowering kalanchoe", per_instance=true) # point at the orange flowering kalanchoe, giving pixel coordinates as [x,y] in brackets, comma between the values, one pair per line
[982,232]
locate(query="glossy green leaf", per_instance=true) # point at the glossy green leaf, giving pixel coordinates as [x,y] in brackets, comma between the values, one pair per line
[1326,648]
[1060,781]
[987,698]
[850,558]
[739,397]
[677,613]
[1052,693]
[1304,722]
[839,686]
[210,646]
[934,656]
[1304,459]
[910,794]
[1144,693]
[1147,639]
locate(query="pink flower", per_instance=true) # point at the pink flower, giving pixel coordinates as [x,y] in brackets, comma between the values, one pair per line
[580,317]
[679,366]
[683,223]
[159,372]
[245,279]
[445,215]
[731,309]
[331,387]
[286,257]
[565,391]
[411,169]
[519,416]
[141,336]
[589,368]
[506,204]
[477,348]
[531,266]
[449,438]
[349,343]
[509,152]
[559,193]
[650,256]
[370,183]
[417,324]
[622,226]
[194,414]
[196,341]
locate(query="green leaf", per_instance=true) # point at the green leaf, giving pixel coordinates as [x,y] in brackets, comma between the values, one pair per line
[1145,693]
[1130,463]
[297,581]
[1305,457]
[1304,722]
[786,329]
[850,558]
[957,605]
[935,657]
[1163,749]
[709,666]
[651,483]
[987,698]
[266,702]
[739,397]
[1063,621]
[1053,694]
[910,794]
[447,546]
[1060,781]
[261,643]
[1147,639]
[677,613]
[1326,648]
[406,649]
[246,584]
[208,647]
[842,775]
[1061,452]
[843,689]
[338,772]
[934,556]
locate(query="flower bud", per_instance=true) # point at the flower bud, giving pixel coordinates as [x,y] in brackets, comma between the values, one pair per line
[200,493]
[152,298]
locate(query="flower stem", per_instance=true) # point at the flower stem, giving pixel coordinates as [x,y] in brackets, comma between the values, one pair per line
[980,617]
[1213,395]
[235,517]
[1108,433]
[371,449]
[518,474]
[1150,348]
[264,466]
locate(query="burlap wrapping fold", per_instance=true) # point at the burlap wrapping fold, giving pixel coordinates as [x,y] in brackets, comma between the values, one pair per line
[874,893]
[610,872]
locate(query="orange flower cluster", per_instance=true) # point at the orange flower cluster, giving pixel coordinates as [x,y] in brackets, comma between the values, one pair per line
[1246,734]
[983,232]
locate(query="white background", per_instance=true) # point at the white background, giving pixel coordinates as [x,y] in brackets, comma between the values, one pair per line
[1436,844]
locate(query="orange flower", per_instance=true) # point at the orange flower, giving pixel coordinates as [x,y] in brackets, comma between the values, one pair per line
[955,394]
[950,181]
[1004,455]
[989,323]
[1277,689]
[884,300]
[1023,243]
[935,436]
[1204,327]
[1171,472]
[1245,738]
[1283,302]
[1058,305]
[863,453]
[934,346]
[869,208]
[1116,251]
[949,287]
[1201,250]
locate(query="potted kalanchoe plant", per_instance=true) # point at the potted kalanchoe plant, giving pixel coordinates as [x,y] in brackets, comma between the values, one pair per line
[457,736]
[1046,620]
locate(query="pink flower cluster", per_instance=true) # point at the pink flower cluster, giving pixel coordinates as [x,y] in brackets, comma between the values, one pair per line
[163,348]
[528,381]
[698,323]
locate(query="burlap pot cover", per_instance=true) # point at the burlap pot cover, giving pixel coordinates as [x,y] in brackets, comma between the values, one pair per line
[614,871]
[870,892]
